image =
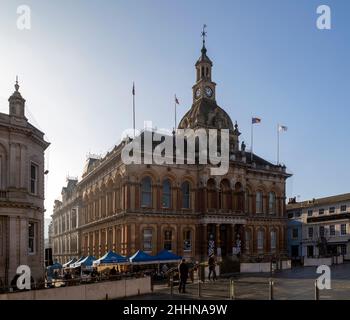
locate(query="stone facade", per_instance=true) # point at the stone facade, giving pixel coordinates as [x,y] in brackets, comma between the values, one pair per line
[181,207]
[22,149]
[65,235]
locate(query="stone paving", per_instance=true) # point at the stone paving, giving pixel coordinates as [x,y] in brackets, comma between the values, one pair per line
[295,284]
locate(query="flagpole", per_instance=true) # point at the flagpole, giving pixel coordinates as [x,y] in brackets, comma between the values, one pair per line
[278,144]
[133,107]
[251,140]
[175,114]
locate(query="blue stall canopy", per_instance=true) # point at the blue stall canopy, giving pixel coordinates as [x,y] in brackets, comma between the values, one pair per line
[80,259]
[140,257]
[111,258]
[165,256]
[55,266]
[87,262]
[68,264]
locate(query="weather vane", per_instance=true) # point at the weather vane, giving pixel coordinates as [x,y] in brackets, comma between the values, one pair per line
[204,33]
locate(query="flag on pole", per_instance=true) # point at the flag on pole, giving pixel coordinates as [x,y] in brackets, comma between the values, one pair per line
[282,128]
[256,120]
[176,100]
[133,88]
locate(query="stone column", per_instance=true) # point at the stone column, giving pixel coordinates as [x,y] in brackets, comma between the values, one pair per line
[159,238]
[218,240]
[204,241]
[233,237]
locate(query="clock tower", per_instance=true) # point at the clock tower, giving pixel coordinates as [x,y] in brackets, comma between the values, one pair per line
[204,86]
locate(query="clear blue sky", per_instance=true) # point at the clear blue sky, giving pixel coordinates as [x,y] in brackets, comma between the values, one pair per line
[77,64]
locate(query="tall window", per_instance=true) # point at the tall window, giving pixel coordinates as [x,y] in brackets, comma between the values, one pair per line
[309,213]
[33,178]
[247,201]
[273,240]
[147,239]
[187,240]
[310,232]
[331,209]
[260,240]
[146,192]
[321,211]
[272,203]
[332,230]
[247,240]
[343,208]
[74,219]
[343,249]
[259,202]
[31,237]
[343,229]
[167,239]
[321,231]
[295,233]
[185,188]
[166,196]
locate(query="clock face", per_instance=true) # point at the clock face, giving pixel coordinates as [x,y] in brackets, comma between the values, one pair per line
[208,92]
[198,93]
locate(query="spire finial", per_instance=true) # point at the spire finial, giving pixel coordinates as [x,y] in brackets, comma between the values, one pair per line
[204,34]
[16,85]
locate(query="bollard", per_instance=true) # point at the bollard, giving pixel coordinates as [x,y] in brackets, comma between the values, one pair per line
[271,289]
[232,289]
[199,288]
[171,285]
[317,291]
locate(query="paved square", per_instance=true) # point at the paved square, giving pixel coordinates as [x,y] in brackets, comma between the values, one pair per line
[295,284]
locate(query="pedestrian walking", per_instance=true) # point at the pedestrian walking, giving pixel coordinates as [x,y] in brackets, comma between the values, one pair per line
[212,265]
[183,273]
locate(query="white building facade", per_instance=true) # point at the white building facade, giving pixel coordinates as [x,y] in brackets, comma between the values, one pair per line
[325,225]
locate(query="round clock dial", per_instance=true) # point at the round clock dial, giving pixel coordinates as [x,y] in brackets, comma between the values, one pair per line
[208,91]
[198,92]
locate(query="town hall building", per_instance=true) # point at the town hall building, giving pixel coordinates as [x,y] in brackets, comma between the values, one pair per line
[178,207]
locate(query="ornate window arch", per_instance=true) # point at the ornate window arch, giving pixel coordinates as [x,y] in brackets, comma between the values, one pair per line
[186,198]
[260,239]
[259,203]
[187,239]
[146,192]
[273,240]
[272,202]
[147,239]
[166,193]
[168,239]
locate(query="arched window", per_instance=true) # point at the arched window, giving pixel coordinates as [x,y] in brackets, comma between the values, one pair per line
[260,240]
[146,192]
[147,239]
[166,196]
[273,239]
[185,188]
[272,203]
[168,239]
[225,195]
[187,240]
[259,202]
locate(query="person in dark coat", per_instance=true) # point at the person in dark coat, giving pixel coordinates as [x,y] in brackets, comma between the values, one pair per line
[212,264]
[183,273]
